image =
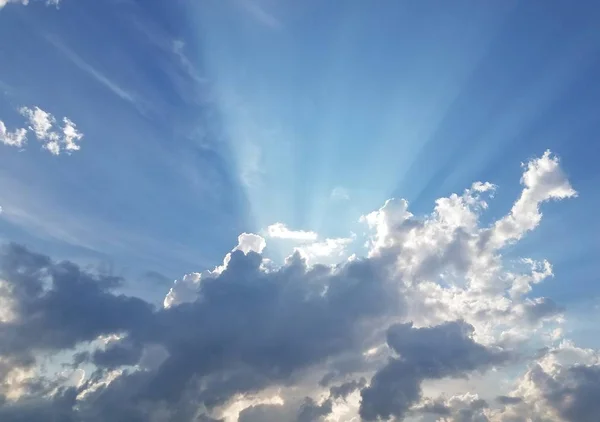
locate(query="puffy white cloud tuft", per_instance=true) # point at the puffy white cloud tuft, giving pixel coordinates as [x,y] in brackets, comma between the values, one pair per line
[544,180]
[16,138]
[280,231]
[54,138]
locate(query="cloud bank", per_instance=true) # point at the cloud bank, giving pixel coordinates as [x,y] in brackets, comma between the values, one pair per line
[366,338]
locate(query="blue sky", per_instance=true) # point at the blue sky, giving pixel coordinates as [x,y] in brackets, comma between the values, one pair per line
[202,120]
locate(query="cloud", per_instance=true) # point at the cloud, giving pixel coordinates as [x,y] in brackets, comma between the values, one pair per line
[345,389]
[326,251]
[434,300]
[97,75]
[563,384]
[53,137]
[26,2]
[544,180]
[280,231]
[55,306]
[186,289]
[311,411]
[446,350]
[253,328]
[460,408]
[16,138]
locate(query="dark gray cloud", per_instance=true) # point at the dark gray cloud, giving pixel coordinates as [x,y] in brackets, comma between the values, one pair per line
[541,308]
[347,388]
[310,411]
[267,413]
[269,325]
[58,408]
[118,353]
[471,412]
[508,400]
[574,393]
[248,330]
[446,350]
[58,305]
[434,407]
[467,408]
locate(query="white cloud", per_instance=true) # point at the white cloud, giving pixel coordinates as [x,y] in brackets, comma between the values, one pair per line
[53,137]
[315,251]
[5,2]
[16,138]
[326,251]
[543,180]
[250,242]
[71,135]
[26,2]
[281,231]
[41,123]
[452,267]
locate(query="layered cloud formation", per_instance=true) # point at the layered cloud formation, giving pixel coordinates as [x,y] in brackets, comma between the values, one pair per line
[434,301]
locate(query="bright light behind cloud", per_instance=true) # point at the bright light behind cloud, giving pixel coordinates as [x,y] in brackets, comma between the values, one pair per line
[439,283]
[298,211]
[280,231]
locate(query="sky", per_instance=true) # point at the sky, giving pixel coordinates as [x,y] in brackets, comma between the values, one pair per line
[285,211]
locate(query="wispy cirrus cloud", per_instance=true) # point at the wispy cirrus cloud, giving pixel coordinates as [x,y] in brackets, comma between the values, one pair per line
[97,75]
[260,14]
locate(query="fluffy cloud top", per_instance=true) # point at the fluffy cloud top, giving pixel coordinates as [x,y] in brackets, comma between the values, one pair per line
[280,231]
[54,138]
[434,301]
[16,138]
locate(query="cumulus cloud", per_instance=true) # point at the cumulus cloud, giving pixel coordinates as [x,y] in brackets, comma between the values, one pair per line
[434,300]
[544,180]
[466,407]
[54,138]
[16,138]
[446,350]
[562,385]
